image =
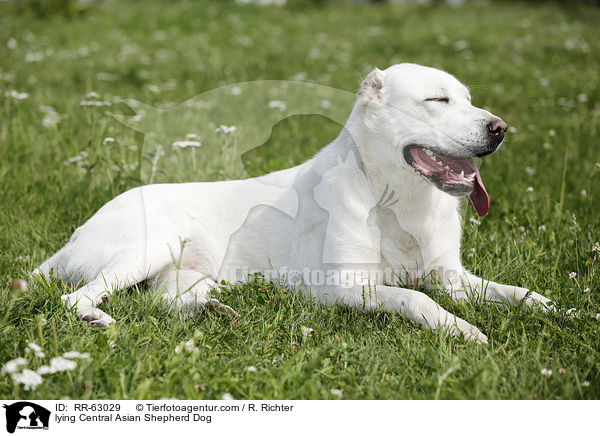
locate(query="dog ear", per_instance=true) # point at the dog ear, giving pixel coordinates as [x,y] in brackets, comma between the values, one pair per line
[370,88]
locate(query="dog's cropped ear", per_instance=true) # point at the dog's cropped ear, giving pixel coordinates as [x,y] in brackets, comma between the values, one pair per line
[370,88]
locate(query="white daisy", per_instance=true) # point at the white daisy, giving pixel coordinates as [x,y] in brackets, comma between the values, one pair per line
[13,365]
[36,349]
[185,144]
[28,378]
[336,392]
[572,275]
[76,355]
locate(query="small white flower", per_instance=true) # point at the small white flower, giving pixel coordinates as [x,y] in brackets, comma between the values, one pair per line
[530,171]
[251,369]
[93,94]
[76,355]
[336,392]
[306,331]
[94,103]
[18,95]
[572,275]
[154,89]
[585,384]
[512,129]
[60,364]
[278,104]
[226,129]
[34,57]
[44,369]
[36,349]
[28,378]
[189,346]
[596,247]
[529,189]
[582,97]
[542,228]
[227,396]
[77,158]
[178,349]
[301,76]
[13,365]
[186,144]
[474,221]
[586,290]
[546,372]
[108,140]
[57,364]
[11,44]
[52,118]
[584,193]
[461,45]
[552,132]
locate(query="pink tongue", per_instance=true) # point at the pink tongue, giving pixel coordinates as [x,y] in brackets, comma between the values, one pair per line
[479,198]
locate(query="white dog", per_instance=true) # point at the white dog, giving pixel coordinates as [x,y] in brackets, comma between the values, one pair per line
[383,196]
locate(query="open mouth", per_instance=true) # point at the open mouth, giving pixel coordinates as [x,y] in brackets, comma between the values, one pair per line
[456,176]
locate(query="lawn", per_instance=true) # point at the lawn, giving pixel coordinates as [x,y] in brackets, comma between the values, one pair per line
[535,65]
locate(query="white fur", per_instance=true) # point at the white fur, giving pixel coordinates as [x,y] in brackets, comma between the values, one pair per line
[356,205]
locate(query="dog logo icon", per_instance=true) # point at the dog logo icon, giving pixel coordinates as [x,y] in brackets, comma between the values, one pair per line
[26,415]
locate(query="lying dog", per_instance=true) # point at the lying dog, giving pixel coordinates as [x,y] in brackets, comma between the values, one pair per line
[384,195]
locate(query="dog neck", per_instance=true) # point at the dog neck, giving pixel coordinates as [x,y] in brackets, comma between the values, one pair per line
[382,166]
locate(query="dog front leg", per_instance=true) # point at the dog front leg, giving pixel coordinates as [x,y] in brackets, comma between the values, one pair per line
[486,290]
[413,305]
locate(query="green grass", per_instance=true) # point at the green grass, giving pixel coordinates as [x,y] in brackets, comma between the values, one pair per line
[536,66]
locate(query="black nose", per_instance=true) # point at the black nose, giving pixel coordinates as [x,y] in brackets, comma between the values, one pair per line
[496,128]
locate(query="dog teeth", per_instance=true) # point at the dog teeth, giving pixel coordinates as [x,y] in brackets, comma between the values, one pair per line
[429,153]
[462,174]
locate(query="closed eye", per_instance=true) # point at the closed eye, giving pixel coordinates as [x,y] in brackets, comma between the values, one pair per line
[440,99]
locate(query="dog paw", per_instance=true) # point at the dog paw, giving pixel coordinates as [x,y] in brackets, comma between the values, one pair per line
[213,304]
[86,312]
[573,312]
[95,317]
[469,332]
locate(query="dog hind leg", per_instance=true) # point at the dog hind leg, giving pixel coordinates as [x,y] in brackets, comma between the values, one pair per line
[85,299]
[188,289]
[50,264]
[125,269]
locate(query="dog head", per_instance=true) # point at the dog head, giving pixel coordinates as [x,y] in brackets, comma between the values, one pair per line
[425,119]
